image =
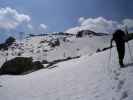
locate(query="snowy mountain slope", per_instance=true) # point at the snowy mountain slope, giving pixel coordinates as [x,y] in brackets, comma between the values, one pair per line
[70,46]
[87,78]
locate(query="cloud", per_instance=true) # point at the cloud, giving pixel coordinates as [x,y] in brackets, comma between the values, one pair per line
[74,30]
[43,26]
[128,23]
[98,24]
[81,19]
[11,18]
[30,26]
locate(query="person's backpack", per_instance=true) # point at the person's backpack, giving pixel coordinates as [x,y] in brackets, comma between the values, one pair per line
[119,35]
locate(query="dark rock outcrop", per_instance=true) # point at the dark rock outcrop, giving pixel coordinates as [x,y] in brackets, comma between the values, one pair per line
[19,66]
[9,41]
[54,43]
[83,33]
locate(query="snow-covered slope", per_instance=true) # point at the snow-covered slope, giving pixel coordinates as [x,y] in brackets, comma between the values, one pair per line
[70,46]
[95,77]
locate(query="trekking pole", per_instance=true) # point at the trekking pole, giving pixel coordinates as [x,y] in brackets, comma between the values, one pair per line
[109,60]
[109,70]
[128,44]
[109,56]
[130,52]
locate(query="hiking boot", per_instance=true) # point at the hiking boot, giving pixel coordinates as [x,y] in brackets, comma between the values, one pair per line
[122,65]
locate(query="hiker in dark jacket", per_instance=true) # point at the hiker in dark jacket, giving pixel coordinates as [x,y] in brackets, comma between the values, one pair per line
[120,38]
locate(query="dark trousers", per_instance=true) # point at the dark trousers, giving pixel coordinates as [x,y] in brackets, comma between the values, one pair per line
[121,51]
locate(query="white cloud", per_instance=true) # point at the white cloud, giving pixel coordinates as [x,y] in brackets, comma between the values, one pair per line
[11,18]
[81,19]
[98,24]
[30,26]
[73,30]
[128,23]
[43,26]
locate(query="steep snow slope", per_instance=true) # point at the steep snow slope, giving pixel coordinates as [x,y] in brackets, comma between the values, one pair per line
[87,78]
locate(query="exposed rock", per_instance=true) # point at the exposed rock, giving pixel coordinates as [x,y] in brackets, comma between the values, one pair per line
[84,33]
[54,43]
[9,41]
[19,66]
[89,33]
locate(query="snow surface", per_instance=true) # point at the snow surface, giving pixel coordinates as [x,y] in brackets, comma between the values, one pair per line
[91,77]
[32,47]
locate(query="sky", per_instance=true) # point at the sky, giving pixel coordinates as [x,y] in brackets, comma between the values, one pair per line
[63,15]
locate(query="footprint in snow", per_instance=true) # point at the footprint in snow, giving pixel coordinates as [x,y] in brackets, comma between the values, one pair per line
[124,95]
[116,74]
[120,85]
